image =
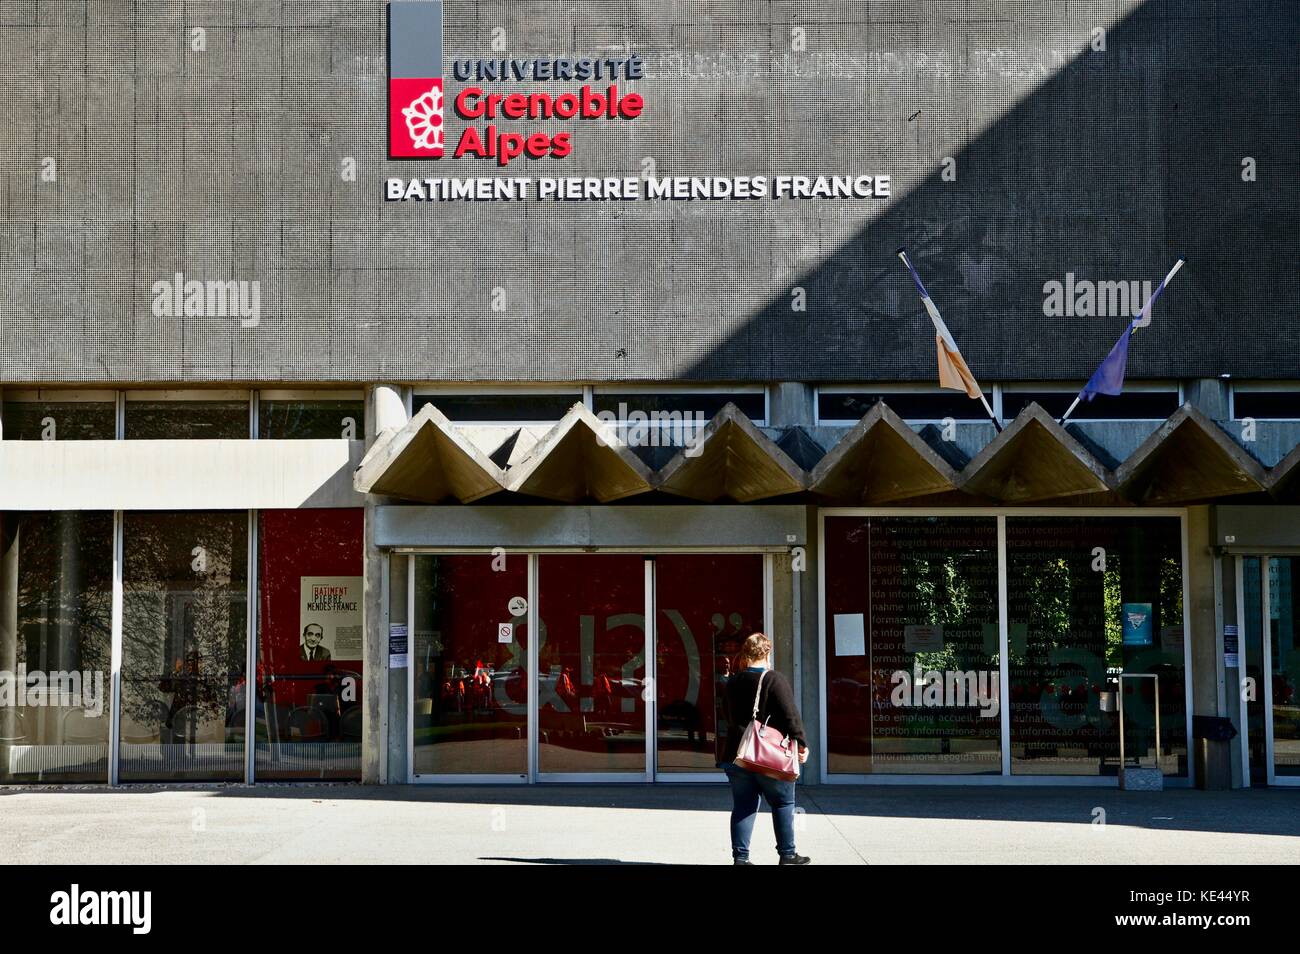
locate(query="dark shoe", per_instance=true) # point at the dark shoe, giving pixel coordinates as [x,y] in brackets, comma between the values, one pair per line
[741,861]
[795,860]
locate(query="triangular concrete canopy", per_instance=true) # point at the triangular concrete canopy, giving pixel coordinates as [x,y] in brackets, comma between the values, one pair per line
[427,460]
[1188,458]
[580,458]
[880,460]
[730,457]
[1284,478]
[1035,459]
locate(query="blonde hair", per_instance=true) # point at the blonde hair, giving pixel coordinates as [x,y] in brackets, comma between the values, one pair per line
[755,648]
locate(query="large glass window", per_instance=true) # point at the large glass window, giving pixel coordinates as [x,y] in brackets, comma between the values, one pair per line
[1132,405]
[912,663]
[49,416]
[1269,656]
[912,618]
[930,405]
[164,418]
[671,406]
[1091,598]
[315,418]
[513,407]
[1272,404]
[307,706]
[470,665]
[184,638]
[1284,663]
[55,646]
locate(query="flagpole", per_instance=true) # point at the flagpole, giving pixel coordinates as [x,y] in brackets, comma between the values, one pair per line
[1070,410]
[933,311]
[985,402]
[1133,327]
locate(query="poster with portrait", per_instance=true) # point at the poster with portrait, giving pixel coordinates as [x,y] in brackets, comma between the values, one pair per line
[329,623]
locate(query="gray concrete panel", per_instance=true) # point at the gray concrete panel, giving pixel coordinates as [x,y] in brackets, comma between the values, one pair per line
[227,162]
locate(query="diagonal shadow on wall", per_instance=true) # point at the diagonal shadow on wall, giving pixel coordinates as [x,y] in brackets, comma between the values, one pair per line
[1120,161]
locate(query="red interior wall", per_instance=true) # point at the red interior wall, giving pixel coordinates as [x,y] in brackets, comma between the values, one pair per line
[293,544]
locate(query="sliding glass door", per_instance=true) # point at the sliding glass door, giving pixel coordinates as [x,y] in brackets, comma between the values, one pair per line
[706,604]
[1270,618]
[591,666]
[469,666]
[575,666]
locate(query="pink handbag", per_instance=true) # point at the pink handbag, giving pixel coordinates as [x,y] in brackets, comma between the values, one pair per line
[764,750]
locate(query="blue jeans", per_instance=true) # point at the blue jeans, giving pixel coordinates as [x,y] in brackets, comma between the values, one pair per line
[746,788]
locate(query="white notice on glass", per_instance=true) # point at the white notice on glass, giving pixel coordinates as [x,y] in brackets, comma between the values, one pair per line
[850,635]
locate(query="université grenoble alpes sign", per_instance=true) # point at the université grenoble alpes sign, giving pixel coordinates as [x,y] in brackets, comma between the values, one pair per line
[494,124]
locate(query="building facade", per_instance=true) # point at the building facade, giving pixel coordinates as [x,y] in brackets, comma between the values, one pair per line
[324,459]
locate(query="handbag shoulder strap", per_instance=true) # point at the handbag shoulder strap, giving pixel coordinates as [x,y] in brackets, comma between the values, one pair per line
[758,692]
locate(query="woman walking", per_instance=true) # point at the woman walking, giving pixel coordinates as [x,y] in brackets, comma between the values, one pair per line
[755,677]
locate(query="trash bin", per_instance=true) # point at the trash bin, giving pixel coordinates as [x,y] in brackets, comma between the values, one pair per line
[1208,733]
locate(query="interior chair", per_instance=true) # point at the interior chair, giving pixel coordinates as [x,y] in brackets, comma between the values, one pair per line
[308,724]
[80,728]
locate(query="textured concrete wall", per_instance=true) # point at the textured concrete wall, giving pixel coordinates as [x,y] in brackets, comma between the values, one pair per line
[523,527]
[227,164]
[1204,622]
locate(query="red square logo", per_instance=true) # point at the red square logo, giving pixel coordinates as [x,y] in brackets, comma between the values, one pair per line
[415,119]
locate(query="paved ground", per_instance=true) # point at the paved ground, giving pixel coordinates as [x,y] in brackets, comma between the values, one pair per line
[675,824]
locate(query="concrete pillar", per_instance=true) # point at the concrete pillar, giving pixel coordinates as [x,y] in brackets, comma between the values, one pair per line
[1203,616]
[810,701]
[389,406]
[791,405]
[385,410]
[1209,396]
[398,770]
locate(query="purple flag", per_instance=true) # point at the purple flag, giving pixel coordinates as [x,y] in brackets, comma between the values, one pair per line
[1109,376]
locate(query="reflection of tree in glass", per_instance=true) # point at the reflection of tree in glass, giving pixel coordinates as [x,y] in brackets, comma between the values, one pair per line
[64,590]
[1112,606]
[1171,591]
[948,589]
[184,613]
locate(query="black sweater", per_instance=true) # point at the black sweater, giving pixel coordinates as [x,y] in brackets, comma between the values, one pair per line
[777,701]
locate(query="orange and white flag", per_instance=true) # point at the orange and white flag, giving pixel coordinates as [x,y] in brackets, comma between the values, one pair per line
[954,373]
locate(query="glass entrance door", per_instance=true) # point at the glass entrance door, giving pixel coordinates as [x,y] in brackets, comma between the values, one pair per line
[469,667]
[574,666]
[592,711]
[1281,662]
[705,606]
[1272,617]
